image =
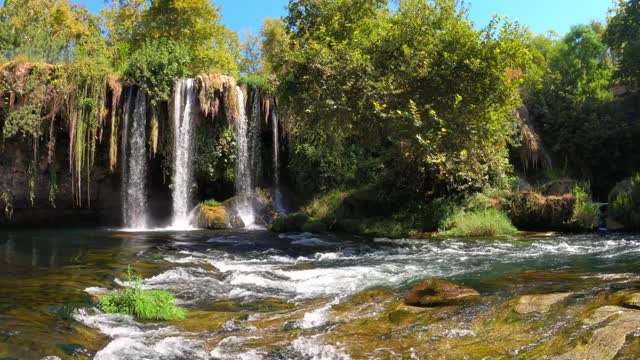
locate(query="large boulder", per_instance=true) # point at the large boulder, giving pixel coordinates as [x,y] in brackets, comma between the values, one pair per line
[212,216]
[435,292]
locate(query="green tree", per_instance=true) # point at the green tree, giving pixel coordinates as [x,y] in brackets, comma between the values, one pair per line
[194,25]
[623,37]
[415,96]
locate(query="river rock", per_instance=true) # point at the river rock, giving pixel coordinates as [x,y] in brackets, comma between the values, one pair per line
[538,303]
[632,301]
[212,217]
[435,292]
[606,342]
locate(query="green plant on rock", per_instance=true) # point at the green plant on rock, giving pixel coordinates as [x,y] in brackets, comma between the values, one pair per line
[585,213]
[143,304]
[624,203]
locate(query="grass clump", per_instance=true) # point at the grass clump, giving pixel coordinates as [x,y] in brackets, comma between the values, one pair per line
[585,213]
[478,223]
[210,202]
[143,304]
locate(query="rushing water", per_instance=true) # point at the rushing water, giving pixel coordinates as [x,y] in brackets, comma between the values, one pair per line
[247,158]
[134,164]
[184,99]
[250,295]
[275,133]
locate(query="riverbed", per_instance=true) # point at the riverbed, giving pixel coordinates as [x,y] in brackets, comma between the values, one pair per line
[261,295]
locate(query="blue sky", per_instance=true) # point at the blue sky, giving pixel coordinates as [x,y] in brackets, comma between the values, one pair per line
[539,15]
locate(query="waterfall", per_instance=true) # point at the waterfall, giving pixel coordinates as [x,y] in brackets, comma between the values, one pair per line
[247,160]
[277,195]
[184,102]
[134,164]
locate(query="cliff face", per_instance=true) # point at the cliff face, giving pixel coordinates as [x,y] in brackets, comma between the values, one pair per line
[45,197]
[61,146]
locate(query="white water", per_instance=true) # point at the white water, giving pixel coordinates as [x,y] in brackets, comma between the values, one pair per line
[134,163]
[246,161]
[184,99]
[316,272]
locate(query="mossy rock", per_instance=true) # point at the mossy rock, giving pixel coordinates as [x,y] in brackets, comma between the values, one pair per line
[538,303]
[289,223]
[212,217]
[435,292]
[632,301]
[402,317]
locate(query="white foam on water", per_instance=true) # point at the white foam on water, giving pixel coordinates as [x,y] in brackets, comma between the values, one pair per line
[310,347]
[230,348]
[134,340]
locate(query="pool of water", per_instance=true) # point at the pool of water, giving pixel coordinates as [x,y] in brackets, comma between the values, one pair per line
[250,295]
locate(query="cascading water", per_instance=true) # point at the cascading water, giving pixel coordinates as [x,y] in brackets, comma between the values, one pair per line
[277,195]
[134,164]
[183,118]
[246,161]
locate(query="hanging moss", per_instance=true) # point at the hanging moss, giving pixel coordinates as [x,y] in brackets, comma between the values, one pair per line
[153,133]
[115,85]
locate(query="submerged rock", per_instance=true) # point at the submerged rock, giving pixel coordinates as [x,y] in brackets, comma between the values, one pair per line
[435,292]
[607,341]
[538,303]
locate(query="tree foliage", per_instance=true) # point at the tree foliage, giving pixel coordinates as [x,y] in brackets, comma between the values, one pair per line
[371,96]
[623,38]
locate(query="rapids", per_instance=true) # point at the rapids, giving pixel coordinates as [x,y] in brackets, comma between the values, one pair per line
[254,295]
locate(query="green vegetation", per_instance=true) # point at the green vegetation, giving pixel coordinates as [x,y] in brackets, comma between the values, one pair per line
[411,104]
[210,202]
[143,304]
[624,203]
[585,214]
[480,223]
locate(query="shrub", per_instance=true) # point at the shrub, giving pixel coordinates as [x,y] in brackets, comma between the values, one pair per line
[143,304]
[479,223]
[585,213]
[534,211]
[210,202]
[624,203]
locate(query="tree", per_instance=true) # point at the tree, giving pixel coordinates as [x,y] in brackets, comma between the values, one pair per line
[194,25]
[623,37]
[415,96]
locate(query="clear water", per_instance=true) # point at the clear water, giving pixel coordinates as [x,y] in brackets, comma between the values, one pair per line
[246,281]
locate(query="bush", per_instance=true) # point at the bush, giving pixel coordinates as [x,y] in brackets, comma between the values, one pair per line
[534,211]
[624,203]
[479,223]
[585,213]
[143,304]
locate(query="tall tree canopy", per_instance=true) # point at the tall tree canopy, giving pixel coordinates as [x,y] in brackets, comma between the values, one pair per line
[371,96]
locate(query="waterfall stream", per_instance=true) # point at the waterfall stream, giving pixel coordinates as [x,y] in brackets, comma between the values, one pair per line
[184,102]
[277,195]
[134,164]
[246,162]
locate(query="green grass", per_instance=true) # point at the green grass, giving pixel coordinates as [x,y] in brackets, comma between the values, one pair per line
[211,202]
[480,223]
[143,304]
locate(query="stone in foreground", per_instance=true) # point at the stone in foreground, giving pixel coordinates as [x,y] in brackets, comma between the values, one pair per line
[435,292]
[538,303]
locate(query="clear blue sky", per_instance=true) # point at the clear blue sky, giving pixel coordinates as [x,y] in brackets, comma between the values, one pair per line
[539,15]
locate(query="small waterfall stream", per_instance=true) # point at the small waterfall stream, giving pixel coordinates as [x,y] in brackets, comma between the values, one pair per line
[134,164]
[246,162]
[184,102]
[277,195]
